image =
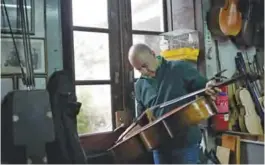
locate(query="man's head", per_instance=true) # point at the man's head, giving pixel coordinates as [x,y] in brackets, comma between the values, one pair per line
[143,59]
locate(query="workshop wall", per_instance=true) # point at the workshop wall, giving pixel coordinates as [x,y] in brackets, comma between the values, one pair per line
[182,17]
[47,28]
[183,14]
[227,53]
[227,50]
[53,37]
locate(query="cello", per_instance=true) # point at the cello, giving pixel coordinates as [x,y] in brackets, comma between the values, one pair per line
[245,36]
[224,21]
[230,19]
[155,132]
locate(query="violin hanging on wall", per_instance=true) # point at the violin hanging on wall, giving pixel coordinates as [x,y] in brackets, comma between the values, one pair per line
[226,20]
[230,18]
[213,20]
[241,115]
[245,37]
[251,119]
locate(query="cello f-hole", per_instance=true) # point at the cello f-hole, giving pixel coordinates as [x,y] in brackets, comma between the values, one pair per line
[168,129]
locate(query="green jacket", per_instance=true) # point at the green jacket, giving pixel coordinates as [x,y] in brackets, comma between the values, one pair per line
[173,79]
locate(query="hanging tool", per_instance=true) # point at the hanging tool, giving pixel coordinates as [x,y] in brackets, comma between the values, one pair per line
[4,9]
[26,42]
[28,119]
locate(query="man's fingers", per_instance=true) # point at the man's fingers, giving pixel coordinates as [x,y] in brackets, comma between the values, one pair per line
[217,89]
[210,83]
[213,91]
[213,98]
[207,92]
[210,91]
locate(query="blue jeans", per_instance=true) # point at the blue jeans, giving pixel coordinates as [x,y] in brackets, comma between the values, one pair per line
[188,155]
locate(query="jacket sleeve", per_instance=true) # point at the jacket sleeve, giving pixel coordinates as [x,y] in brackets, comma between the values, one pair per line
[139,104]
[139,108]
[193,79]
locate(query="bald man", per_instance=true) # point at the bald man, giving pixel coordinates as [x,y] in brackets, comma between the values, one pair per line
[161,81]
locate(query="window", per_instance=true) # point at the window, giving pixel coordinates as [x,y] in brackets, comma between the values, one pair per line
[91,56]
[100,73]
[152,40]
[92,65]
[96,111]
[147,23]
[84,12]
[147,15]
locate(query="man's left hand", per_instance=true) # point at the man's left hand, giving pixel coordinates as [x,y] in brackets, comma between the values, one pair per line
[212,92]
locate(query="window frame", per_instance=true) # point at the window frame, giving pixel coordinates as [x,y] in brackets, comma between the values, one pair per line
[130,81]
[114,83]
[120,39]
[166,13]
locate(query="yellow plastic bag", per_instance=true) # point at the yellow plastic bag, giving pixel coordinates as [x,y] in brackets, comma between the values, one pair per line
[181,54]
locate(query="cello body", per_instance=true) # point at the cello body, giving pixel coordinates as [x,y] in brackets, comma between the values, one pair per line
[213,20]
[230,18]
[251,119]
[224,19]
[139,142]
[159,131]
[213,23]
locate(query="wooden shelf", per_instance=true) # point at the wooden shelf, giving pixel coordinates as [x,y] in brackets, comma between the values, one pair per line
[247,136]
[251,141]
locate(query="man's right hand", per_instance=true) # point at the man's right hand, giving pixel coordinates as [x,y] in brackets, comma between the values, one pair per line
[212,92]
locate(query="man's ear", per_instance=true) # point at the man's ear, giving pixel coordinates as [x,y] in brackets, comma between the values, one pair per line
[153,53]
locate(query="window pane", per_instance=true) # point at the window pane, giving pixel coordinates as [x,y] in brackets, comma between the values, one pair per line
[147,15]
[95,114]
[90,13]
[150,40]
[91,56]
